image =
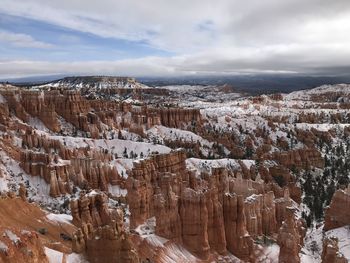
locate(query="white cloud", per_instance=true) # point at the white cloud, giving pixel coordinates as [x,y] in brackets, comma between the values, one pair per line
[271,59]
[207,36]
[22,40]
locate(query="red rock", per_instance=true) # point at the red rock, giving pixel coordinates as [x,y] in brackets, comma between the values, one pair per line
[338,213]
[101,234]
[330,252]
[289,239]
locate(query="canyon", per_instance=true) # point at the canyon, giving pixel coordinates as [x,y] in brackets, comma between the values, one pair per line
[105,169]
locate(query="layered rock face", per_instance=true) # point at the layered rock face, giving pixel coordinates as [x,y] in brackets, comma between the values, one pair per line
[62,167]
[91,208]
[338,213]
[176,117]
[301,158]
[20,240]
[101,234]
[21,246]
[206,212]
[330,252]
[90,116]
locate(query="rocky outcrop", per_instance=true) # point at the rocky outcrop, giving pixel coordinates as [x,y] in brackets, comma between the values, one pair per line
[177,117]
[86,168]
[21,246]
[91,209]
[239,242]
[194,219]
[205,212]
[300,159]
[101,234]
[338,213]
[260,213]
[289,239]
[34,103]
[330,252]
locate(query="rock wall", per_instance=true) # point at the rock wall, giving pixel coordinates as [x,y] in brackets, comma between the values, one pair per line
[300,159]
[204,212]
[330,252]
[338,213]
[21,246]
[290,238]
[101,234]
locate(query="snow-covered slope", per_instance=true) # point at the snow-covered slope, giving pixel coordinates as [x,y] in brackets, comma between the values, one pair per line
[306,94]
[96,82]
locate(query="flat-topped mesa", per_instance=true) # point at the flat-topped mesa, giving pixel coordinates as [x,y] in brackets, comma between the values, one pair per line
[338,213]
[330,251]
[101,234]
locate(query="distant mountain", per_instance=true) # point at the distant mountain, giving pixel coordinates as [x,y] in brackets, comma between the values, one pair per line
[95,82]
[253,84]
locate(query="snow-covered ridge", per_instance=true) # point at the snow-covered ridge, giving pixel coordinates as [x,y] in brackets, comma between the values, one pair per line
[95,82]
[305,94]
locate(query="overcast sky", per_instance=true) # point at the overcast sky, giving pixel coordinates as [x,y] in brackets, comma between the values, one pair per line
[170,38]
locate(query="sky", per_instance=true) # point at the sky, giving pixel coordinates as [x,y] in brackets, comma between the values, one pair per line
[174,38]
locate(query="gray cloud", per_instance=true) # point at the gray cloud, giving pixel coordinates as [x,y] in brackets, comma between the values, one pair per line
[225,36]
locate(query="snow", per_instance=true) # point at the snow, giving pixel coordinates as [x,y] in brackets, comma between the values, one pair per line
[305,94]
[171,252]
[37,124]
[95,83]
[117,191]
[38,190]
[60,218]
[173,134]
[3,184]
[203,165]
[321,126]
[175,253]
[114,146]
[269,254]
[343,235]
[312,250]
[12,236]
[2,99]
[3,247]
[55,256]
[147,228]
[194,95]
